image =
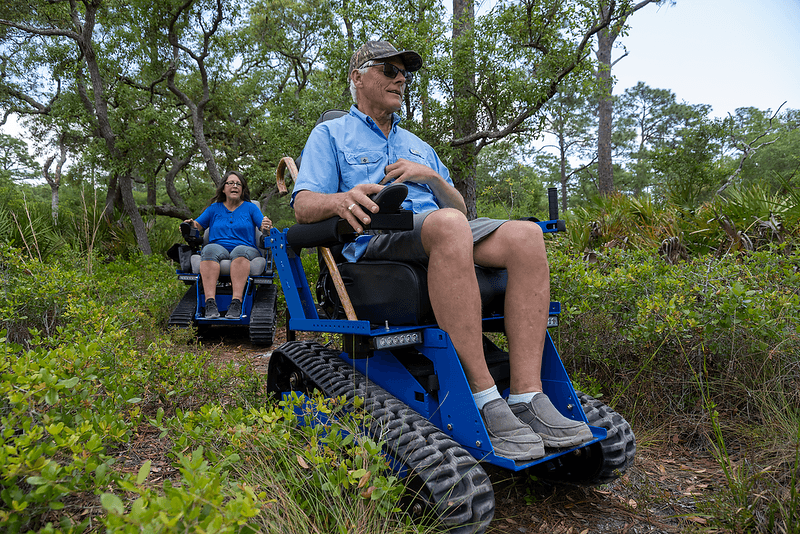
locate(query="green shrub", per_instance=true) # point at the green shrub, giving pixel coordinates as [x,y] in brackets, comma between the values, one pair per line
[646,326]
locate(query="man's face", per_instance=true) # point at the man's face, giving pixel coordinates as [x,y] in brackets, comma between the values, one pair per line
[380,91]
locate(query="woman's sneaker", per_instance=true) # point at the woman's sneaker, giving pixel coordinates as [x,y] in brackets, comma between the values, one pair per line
[211,309]
[234,310]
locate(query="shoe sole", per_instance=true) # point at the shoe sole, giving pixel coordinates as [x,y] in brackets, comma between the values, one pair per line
[568,441]
[534,454]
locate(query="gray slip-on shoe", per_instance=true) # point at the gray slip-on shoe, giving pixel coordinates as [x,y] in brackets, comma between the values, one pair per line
[510,438]
[555,429]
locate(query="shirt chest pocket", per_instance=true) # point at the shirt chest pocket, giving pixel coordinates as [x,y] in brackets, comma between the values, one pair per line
[415,154]
[363,167]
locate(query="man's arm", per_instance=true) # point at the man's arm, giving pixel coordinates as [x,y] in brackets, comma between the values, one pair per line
[407,171]
[310,206]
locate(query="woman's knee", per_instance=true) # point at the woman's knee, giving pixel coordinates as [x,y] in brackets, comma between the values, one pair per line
[244,252]
[214,252]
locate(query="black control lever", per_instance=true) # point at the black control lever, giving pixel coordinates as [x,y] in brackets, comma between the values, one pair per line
[336,230]
[390,198]
[389,217]
[191,234]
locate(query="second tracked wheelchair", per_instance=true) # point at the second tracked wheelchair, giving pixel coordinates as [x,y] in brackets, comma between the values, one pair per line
[259,299]
[404,366]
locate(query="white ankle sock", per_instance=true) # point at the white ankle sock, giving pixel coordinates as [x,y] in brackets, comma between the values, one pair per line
[482,397]
[517,398]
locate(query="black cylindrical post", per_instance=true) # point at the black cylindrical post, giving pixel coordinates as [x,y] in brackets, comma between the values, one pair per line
[552,197]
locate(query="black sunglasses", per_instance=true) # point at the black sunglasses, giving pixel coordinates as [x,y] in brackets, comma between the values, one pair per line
[390,71]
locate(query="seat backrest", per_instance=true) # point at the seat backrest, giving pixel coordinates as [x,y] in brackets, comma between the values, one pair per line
[327,115]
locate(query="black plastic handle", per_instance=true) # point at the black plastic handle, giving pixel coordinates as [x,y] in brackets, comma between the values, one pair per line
[552,198]
[390,198]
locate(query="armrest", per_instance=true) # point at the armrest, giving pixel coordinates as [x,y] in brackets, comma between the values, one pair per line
[335,230]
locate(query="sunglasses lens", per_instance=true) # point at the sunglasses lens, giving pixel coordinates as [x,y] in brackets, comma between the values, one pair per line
[391,71]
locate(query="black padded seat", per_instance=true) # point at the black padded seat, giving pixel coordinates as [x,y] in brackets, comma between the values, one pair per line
[397,292]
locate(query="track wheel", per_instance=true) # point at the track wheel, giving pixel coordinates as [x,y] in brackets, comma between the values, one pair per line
[284,376]
[264,314]
[599,463]
[445,481]
[183,314]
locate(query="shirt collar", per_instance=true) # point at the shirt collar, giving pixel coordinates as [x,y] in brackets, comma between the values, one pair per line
[371,123]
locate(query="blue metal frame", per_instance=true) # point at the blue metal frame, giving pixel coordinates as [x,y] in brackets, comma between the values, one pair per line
[451,408]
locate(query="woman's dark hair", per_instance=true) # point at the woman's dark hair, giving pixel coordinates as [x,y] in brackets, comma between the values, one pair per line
[220,196]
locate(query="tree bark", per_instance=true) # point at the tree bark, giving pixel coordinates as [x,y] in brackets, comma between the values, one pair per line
[464,159]
[605,111]
[605,85]
[54,181]
[99,104]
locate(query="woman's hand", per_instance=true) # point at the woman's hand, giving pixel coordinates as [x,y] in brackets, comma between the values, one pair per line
[266,224]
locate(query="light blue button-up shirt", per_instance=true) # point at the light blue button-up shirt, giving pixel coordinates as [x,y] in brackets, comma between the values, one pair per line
[352,150]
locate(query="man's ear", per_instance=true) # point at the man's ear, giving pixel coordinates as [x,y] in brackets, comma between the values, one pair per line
[356,76]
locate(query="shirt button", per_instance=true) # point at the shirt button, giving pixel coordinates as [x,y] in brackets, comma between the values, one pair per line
[364,160]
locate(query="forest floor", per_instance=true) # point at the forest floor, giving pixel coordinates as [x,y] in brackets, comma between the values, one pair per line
[658,494]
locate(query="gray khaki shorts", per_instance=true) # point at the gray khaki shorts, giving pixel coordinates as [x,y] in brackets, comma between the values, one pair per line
[407,246]
[215,252]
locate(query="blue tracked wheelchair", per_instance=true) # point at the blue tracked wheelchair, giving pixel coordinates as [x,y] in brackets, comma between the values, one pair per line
[260,298]
[408,374]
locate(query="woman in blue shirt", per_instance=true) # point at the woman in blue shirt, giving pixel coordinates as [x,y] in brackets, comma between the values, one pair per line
[231,220]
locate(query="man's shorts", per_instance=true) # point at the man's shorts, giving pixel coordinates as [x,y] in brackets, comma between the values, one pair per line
[407,245]
[215,252]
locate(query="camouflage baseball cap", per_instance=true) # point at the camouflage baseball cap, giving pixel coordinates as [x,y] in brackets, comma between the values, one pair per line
[384,50]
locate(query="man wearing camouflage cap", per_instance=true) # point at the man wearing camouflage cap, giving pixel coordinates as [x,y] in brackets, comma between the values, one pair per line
[356,155]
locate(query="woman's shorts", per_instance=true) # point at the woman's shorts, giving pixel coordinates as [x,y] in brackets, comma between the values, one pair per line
[407,245]
[215,252]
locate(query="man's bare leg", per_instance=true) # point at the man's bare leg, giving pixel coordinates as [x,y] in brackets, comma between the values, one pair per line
[453,290]
[518,246]
[456,302]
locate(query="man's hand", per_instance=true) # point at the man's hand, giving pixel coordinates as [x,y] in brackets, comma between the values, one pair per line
[403,170]
[354,206]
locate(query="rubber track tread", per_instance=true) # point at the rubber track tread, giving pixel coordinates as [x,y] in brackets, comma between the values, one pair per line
[263,314]
[618,448]
[183,314]
[453,483]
